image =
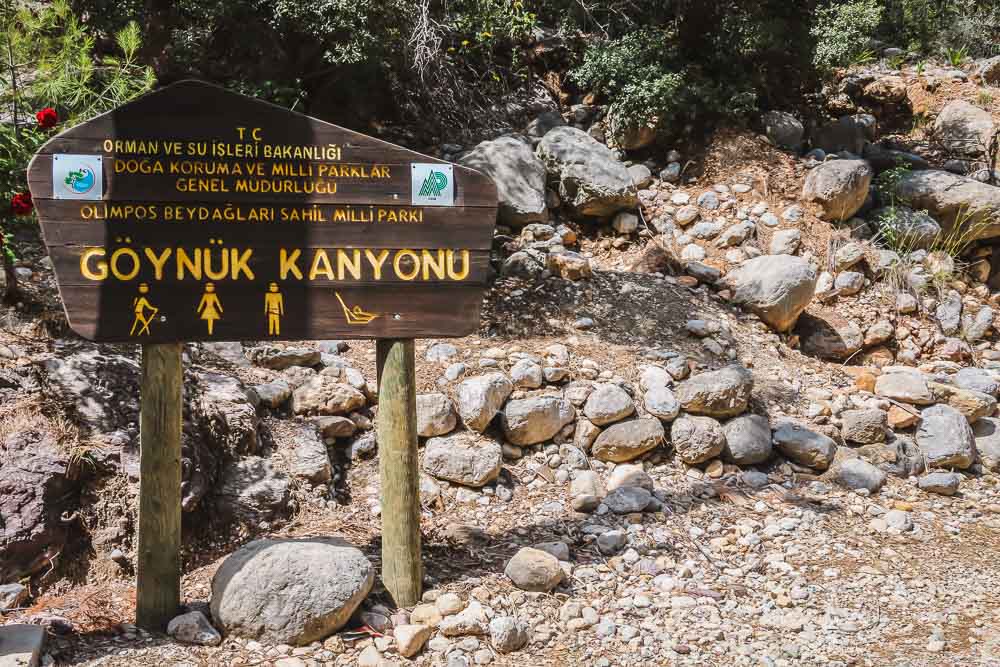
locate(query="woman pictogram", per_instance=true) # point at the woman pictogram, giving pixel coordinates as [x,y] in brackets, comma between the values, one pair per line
[210,308]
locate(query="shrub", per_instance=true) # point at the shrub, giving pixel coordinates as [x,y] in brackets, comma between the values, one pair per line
[843,32]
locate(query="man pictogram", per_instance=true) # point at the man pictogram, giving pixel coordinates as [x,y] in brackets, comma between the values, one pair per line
[274,306]
[139,306]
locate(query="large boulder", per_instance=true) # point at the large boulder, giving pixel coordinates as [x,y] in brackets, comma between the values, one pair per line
[783,129]
[722,393]
[973,404]
[310,460]
[950,198]
[35,490]
[464,458]
[221,406]
[252,491]
[290,591]
[529,421]
[696,439]
[830,336]
[777,288]
[906,386]
[481,397]
[592,181]
[747,440]
[987,434]
[608,403]
[279,358]
[847,133]
[629,440]
[964,129]
[945,438]
[839,187]
[804,446]
[519,176]
[631,136]
[326,395]
[435,415]
[907,228]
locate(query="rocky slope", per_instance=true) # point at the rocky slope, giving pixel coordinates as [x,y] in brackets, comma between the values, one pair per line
[715,414]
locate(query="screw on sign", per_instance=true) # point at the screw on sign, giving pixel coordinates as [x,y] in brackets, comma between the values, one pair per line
[197,214]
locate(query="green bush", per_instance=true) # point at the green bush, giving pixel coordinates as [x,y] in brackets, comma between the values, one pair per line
[843,32]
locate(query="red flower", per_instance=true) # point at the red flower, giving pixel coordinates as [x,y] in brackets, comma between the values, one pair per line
[47,118]
[21,204]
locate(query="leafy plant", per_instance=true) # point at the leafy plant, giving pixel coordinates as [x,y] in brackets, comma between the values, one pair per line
[984,98]
[897,62]
[53,74]
[842,32]
[956,57]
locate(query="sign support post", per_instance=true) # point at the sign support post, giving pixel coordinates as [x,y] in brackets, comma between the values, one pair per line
[402,570]
[160,416]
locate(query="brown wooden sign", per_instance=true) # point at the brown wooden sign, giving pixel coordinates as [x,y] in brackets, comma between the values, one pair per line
[195,213]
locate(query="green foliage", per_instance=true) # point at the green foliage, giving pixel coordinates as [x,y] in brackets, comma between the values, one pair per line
[843,32]
[956,56]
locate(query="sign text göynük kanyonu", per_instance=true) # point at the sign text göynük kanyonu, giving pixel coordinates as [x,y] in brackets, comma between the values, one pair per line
[194,213]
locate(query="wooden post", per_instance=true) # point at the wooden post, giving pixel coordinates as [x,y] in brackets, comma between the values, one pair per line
[159,572]
[402,570]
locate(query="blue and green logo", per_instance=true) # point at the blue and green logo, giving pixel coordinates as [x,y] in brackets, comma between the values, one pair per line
[81,180]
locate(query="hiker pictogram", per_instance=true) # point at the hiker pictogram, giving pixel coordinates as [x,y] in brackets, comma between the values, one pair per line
[144,312]
[274,306]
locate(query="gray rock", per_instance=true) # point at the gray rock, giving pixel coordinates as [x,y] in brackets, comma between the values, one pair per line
[231,352]
[747,440]
[949,313]
[543,123]
[987,434]
[945,438]
[519,176]
[839,187]
[687,214]
[611,542]
[848,255]
[290,591]
[310,459]
[193,628]
[736,234]
[949,197]
[899,520]
[804,446]
[696,439]
[785,242]
[883,159]
[273,394]
[831,337]
[847,133]
[989,71]
[592,181]
[859,474]
[626,441]
[628,499]
[641,175]
[777,288]
[942,483]
[481,397]
[569,265]
[441,352]
[464,458]
[331,427]
[783,129]
[608,403]
[705,231]
[527,374]
[849,283]
[626,474]
[280,358]
[708,200]
[529,421]
[964,129]
[325,395]
[661,403]
[12,596]
[534,570]
[905,386]
[508,634]
[754,479]
[907,228]
[435,415]
[864,427]
[722,393]
[976,327]
[977,379]
[625,222]
[251,491]
[972,404]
